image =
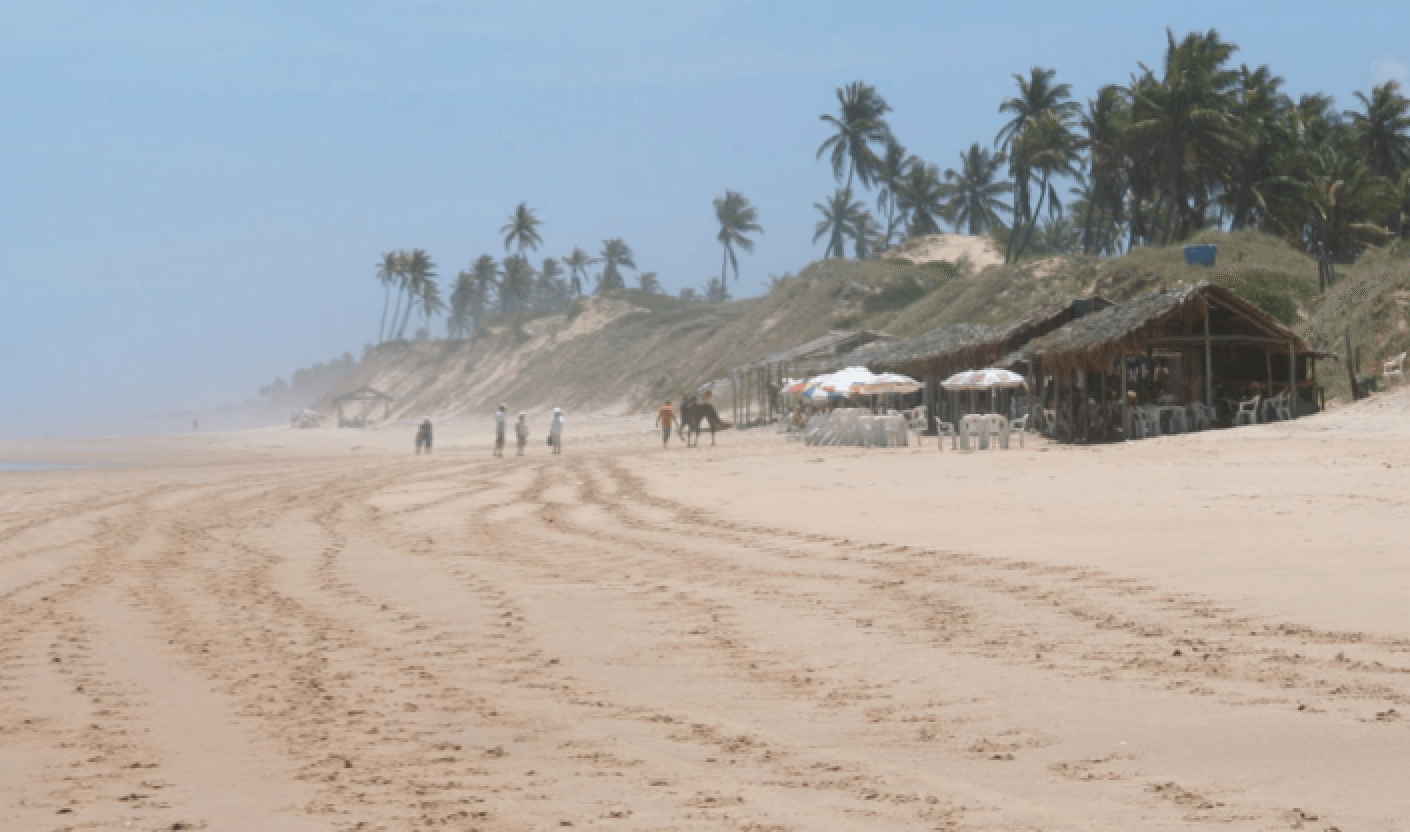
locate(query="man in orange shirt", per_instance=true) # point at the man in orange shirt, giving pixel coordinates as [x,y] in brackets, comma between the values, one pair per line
[666,418]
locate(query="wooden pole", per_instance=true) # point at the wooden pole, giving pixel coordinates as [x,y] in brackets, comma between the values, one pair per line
[1208,361]
[1292,379]
[1125,410]
[1263,404]
[1350,370]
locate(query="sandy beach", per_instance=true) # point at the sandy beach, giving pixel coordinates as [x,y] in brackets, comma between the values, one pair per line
[318,630]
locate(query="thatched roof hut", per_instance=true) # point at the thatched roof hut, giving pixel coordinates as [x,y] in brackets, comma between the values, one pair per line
[1170,348]
[1163,318]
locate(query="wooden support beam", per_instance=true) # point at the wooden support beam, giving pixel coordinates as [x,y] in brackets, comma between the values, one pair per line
[1208,360]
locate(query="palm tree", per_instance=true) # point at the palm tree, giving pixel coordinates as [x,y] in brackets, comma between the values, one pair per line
[868,239]
[975,198]
[921,197]
[1039,101]
[840,215]
[1049,148]
[616,255]
[551,291]
[420,273]
[460,321]
[1104,125]
[890,168]
[1382,129]
[860,124]
[486,272]
[578,263]
[389,273]
[737,219]
[649,282]
[430,302]
[522,230]
[1266,137]
[1341,198]
[716,291]
[516,286]
[1184,117]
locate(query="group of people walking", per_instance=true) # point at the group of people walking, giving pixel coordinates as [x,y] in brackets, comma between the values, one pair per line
[521,430]
[501,430]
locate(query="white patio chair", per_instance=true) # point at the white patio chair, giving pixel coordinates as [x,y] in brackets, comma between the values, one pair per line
[1146,422]
[944,429]
[1203,416]
[1247,414]
[997,427]
[1018,426]
[1282,408]
[1394,367]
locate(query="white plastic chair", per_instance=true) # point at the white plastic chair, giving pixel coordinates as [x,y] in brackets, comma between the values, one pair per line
[944,429]
[1282,408]
[1394,367]
[1145,422]
[1247,413]
[1018,426]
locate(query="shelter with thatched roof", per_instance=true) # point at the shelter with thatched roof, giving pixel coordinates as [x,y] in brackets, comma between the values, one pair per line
[355,408]
[954,348]
[1173,347]
[756,384]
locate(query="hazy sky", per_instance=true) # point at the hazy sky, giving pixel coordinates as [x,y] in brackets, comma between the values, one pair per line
[193,195]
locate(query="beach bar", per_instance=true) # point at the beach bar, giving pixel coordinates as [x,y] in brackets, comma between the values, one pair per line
[1168,361]
[756,385]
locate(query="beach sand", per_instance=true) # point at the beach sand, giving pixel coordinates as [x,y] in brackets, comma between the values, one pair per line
[318,630]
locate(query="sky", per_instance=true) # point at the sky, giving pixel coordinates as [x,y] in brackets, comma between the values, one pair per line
[194,195]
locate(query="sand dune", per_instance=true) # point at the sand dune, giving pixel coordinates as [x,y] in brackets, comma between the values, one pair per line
[284,630]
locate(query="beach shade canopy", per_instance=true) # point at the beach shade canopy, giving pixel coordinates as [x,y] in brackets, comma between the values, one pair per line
[991,378]
[883,383]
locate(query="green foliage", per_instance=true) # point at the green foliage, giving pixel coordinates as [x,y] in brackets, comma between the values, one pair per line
[897,296]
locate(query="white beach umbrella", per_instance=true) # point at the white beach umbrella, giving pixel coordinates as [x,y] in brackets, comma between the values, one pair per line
[844,380]
[884,383]
[991,378]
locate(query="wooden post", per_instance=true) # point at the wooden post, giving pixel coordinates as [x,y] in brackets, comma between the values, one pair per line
[1350,370]
[1312,366]
[1125,410]
[1292,379]
[1208,361]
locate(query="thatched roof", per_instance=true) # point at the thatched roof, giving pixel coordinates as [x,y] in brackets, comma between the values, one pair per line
[945,341]
[971,346]
[1165,315]
[834,343]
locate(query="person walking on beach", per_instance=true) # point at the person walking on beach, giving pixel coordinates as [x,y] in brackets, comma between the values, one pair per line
[666,419]
[423,435]
[499,428]
[521,433]
[555,430]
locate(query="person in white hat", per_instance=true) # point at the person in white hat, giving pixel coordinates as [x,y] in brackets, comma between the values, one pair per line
[521,432]
[555,430]
[499,428]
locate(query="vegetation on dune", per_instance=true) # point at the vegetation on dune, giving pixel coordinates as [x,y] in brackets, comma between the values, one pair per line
[1309,205]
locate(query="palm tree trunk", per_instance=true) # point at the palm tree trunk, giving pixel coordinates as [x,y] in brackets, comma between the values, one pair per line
[396,310]
[724,261]
[382,327]
[1033,218]
[406,316]
[1087,226]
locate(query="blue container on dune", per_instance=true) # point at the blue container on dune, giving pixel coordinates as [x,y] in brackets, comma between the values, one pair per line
[1201,255]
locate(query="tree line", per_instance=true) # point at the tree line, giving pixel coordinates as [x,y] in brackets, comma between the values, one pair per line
[1196,143]
[514,288]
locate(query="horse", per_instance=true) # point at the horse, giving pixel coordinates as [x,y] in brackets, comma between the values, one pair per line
[693,412]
